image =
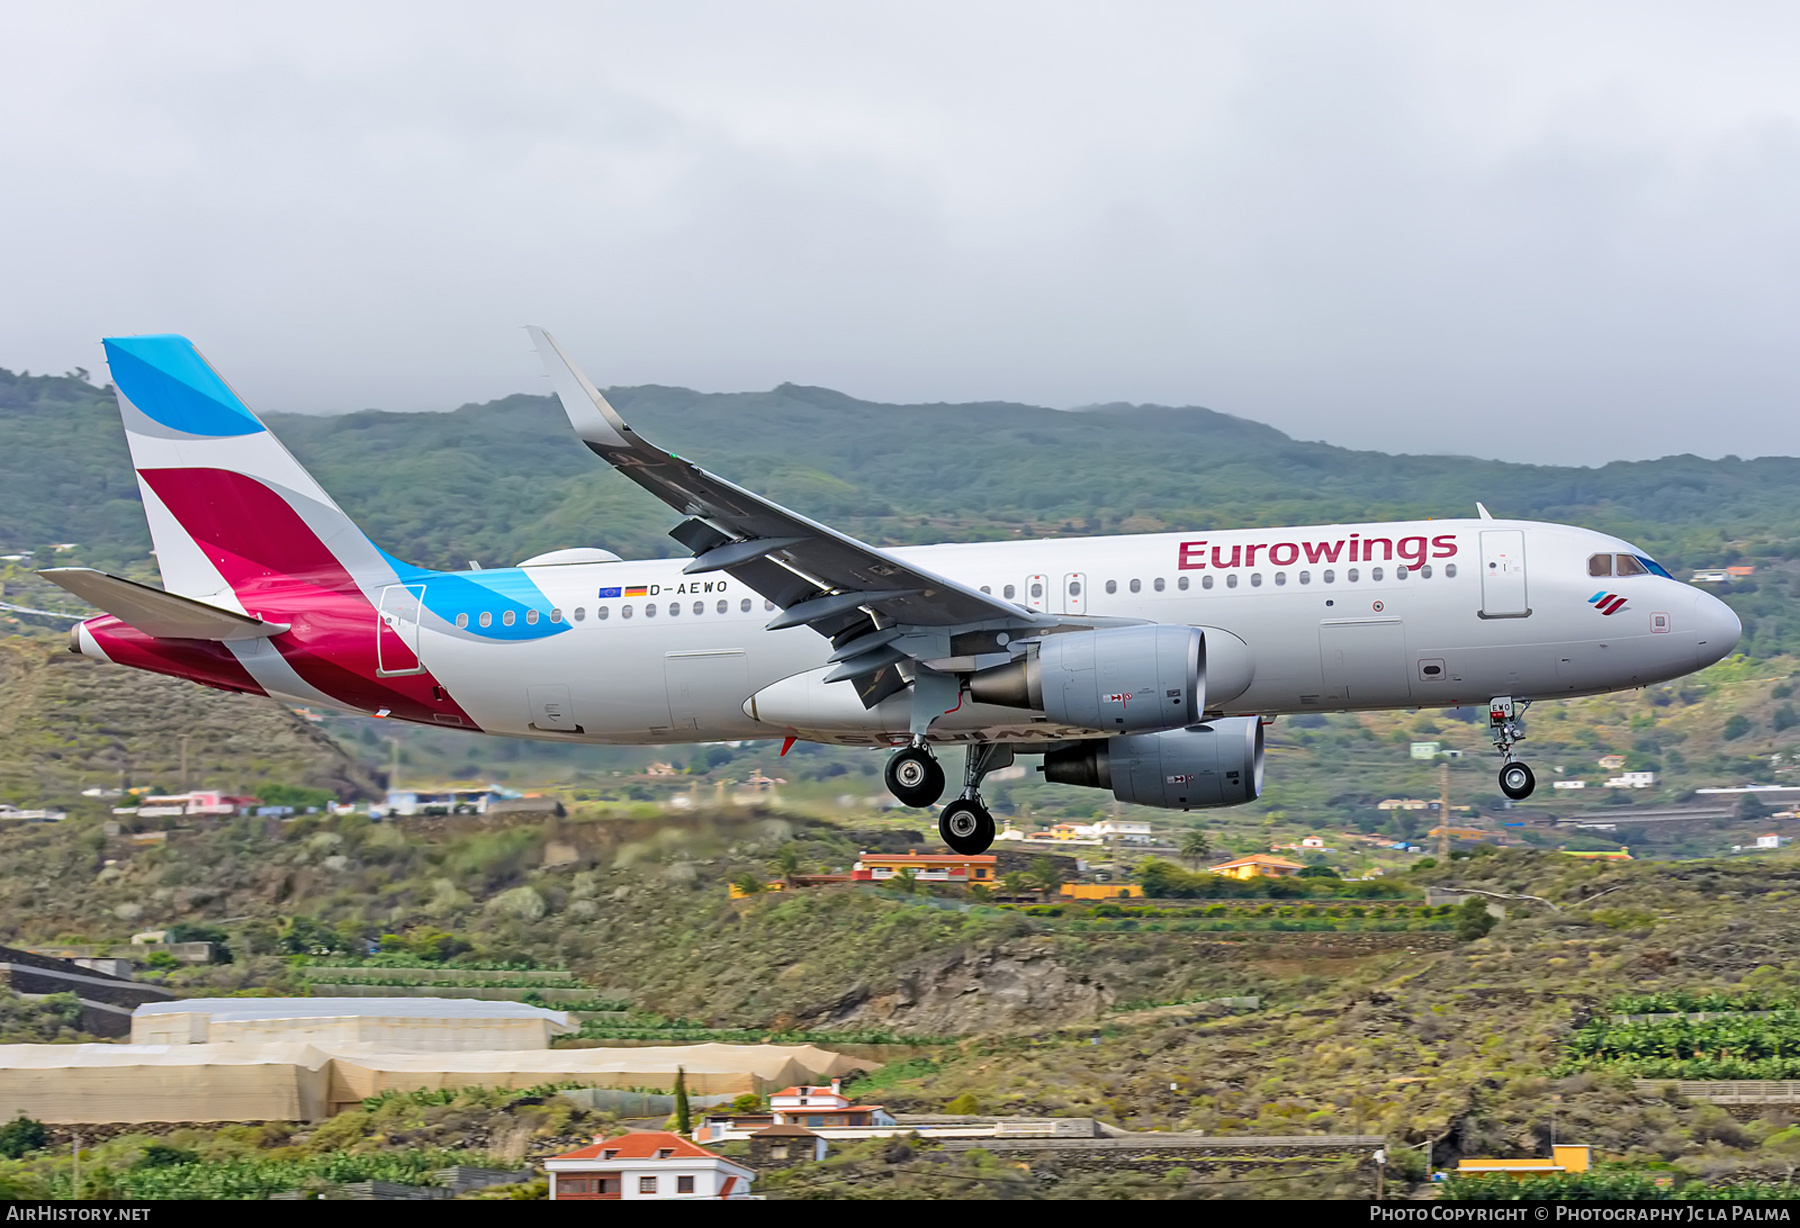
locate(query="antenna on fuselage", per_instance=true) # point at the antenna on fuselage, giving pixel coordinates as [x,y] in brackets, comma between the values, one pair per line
[1482,508]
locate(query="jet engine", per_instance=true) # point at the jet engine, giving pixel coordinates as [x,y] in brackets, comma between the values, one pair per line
[1219,763]
[1124,678]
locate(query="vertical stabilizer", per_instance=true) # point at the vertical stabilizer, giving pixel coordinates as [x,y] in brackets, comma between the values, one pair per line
[230,510]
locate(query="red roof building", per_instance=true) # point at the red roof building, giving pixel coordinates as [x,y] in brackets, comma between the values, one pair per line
[825,1110]
[980,868]
[654,1164]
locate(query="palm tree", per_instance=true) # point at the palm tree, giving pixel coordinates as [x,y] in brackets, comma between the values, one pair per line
[786,862]
[1196,847]
[1015,883]
[1045,874]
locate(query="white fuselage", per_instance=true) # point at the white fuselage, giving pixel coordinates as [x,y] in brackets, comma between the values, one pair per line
[1433,613]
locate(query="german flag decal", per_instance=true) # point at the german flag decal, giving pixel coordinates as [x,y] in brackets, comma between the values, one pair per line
[637,590]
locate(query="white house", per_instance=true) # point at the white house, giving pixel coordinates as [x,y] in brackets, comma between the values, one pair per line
[1129,830]
[1632,780]
[645,1164]
[826,1111]
[1568,784]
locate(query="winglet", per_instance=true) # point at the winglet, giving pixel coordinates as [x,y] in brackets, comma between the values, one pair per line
[1482,508]
[598,423]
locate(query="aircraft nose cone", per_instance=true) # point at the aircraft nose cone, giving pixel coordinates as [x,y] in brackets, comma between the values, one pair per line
[1716,630]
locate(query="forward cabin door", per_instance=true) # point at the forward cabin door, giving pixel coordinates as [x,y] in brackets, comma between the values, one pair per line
[1503,574]
[397,630]
[1074,593]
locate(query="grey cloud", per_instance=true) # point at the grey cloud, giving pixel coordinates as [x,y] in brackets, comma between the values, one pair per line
[1557,232]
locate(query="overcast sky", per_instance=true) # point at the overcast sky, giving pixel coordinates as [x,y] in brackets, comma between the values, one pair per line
[1552,232]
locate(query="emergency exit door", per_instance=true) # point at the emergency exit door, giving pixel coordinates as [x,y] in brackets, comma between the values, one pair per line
[1074,593]
[1503,574]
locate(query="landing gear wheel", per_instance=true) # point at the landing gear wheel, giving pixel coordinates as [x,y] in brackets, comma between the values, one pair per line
[1516,781]
[966,826]
[914,777]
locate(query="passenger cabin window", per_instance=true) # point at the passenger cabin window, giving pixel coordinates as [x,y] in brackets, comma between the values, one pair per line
[1158,584]
[1231,580]
[509,618]
[723,607]
[744,605]
[1600,565]
[601,612]
[1112,586]
[555,616]
[531,616]
[1629,566]
[1375,574]
[486,619]
[1009,592]
[699,607]
[1450,571]
[987,589]
[1280,578]
[462,620]
[1306,577]
[1205,581]
[1137,586]
[1256,579]
[1351,575]
[1182,584]
[649,609]
[581,613]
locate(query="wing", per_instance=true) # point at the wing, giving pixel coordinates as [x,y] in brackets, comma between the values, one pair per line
[877,610]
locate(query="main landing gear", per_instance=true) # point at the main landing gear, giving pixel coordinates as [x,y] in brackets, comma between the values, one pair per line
[1504,717]
[914,776]
[966,824]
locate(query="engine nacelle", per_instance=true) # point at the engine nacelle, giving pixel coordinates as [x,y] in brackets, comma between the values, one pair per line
[1124,678]
[1219,763]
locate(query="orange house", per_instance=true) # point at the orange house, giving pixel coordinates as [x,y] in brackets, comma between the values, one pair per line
[1258,864]
[927,867]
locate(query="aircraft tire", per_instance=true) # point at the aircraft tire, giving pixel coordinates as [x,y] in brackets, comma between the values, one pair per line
[1517,781]
[966,826]
[914,776]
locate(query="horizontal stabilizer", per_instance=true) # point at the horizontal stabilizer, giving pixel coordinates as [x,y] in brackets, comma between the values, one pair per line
[154,612]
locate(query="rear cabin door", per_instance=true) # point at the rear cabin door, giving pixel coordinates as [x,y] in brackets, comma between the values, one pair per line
[397,630]
[1503,574]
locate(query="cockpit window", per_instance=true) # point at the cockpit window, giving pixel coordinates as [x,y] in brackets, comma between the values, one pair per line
[1625,565]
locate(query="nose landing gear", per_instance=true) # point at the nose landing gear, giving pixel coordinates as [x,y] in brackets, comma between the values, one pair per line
[1505,715]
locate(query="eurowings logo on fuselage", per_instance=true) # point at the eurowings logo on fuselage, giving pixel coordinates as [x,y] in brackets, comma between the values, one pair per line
[1607,603]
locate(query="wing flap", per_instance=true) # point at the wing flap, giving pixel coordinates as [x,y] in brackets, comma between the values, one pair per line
[155,612]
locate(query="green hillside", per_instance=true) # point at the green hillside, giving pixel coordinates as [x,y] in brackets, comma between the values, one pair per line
[501,481]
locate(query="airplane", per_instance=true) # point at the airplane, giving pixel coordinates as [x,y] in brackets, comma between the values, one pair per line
[1147,665]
